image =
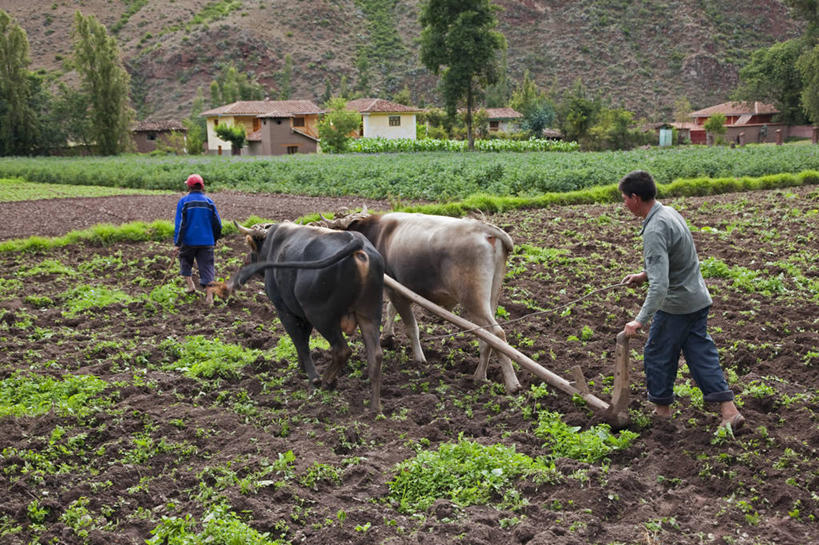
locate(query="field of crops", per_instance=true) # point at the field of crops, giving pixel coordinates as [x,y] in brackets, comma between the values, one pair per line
[438,176]
[129,411]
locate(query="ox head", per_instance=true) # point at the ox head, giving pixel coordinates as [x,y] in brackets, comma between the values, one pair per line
[254,238]
[342,223]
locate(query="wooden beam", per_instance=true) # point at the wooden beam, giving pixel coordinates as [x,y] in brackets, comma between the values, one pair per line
[498,344]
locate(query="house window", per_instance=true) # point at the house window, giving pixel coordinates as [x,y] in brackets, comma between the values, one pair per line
[298,122]
[494,125]
[292,150]
[395,121]
[151,136]
[257,124]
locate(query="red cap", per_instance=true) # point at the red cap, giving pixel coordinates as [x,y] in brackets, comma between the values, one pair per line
[194,180]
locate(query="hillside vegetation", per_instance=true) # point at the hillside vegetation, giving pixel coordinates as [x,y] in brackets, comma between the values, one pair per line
[638,54]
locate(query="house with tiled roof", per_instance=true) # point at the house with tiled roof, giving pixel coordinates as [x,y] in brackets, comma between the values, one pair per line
[383,118]
[503,119]
[273,127]
[149,133]
[745,122]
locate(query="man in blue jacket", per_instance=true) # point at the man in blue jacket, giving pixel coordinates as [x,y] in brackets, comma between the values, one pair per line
[196,229]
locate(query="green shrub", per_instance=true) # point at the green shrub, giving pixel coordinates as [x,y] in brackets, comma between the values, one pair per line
[592,445]
[33,395]
[466,473]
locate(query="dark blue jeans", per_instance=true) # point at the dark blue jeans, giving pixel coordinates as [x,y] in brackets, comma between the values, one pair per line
[671,334]
[204,261]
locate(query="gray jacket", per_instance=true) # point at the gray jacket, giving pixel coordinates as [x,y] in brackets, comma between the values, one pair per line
[675,283]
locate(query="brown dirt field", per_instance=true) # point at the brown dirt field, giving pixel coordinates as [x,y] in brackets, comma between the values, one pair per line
[675,485]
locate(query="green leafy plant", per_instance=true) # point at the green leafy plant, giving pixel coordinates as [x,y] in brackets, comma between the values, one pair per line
[219,525]
[201,357]
[466,473]
[31,395]
[84,297]
[592,445]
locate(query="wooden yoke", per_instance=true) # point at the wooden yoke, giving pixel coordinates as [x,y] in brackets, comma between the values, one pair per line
[614,413]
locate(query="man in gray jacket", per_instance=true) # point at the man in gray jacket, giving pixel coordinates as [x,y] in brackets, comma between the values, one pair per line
[677,300]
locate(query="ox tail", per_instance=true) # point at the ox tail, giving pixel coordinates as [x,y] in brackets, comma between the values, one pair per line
[249,270]
[503,236]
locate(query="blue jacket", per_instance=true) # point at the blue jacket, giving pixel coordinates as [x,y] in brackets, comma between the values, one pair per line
[197,221]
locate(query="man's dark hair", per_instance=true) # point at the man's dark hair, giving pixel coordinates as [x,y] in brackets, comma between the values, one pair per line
[640,183]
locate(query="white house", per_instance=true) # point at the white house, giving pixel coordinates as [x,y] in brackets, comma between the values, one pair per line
[383,118]
[503,119]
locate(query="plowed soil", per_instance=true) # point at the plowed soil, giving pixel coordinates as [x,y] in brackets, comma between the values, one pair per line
[169,445]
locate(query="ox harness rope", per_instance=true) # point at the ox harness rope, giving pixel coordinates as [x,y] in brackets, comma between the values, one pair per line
[547,311]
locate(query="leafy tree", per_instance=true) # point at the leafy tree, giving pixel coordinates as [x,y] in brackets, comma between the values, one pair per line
[70,115]
[343,90]
[284,77]
[196,126]
[337,125]
[538,118]
[231,85]
[19,129]
[328,91]
[535,106]
[785,73]
[613,131]
[682,110]
[807,10]
[772,76]
[578,112]
[235,134]
[404,96]
[715,125]
[362,65]
[105,82]
[498,94]
[808,65]
[458,41]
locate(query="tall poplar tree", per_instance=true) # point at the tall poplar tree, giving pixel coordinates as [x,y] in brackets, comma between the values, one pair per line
[18,119]
[458,41]
[106,83]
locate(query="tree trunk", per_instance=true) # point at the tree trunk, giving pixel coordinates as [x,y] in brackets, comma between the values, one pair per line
[469,138]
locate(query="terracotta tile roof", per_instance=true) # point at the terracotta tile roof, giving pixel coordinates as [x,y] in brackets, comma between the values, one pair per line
[267,108]
[307,134]
[378,105]
[159,125]
[503,113]
[736,108]
[255,136]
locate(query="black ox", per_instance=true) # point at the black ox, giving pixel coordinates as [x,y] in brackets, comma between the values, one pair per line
[323,279]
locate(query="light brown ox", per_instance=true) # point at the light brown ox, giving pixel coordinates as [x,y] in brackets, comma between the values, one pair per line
[449,261]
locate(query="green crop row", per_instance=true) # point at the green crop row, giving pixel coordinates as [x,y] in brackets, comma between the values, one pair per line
[20,190]
[432,176]
[393,145]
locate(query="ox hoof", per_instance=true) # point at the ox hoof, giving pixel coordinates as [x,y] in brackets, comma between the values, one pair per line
[513,389]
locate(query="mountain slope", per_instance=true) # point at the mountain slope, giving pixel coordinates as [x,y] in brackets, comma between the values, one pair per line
[639,54]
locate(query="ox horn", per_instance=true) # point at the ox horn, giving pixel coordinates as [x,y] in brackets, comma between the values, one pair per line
[243,229]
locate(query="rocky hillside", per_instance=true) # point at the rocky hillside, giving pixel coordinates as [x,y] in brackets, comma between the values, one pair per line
[639,54]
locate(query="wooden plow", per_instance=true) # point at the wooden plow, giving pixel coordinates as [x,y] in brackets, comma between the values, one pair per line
[615,413]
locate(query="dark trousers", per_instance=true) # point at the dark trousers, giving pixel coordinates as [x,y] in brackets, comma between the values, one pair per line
[671,334]
[203,255]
